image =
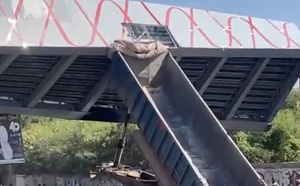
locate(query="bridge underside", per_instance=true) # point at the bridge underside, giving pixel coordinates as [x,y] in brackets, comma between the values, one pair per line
[244,88]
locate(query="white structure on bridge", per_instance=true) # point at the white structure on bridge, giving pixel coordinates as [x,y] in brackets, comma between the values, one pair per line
[98,23]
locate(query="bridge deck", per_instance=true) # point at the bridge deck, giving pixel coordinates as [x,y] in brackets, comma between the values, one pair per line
[241,86]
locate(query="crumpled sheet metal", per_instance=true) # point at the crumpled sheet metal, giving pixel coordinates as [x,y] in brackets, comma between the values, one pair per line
[137,50]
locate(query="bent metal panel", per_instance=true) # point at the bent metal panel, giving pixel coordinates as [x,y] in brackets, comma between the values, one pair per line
[11,145]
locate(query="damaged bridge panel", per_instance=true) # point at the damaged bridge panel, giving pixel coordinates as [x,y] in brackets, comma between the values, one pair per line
[271,88]
[24,74]
[219,76]
[76,82]
[241,84]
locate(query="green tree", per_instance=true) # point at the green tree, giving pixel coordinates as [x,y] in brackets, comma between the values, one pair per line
[67,146]
[291,101]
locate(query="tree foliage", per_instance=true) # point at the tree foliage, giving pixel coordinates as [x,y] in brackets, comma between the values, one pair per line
[291,101]
[67,146]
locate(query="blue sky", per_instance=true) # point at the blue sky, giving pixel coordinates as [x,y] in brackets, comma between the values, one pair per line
[283,10]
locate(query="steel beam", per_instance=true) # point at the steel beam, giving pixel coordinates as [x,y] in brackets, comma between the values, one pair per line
[178,58]
[245,88]
[234,52]
[99,88]
[240,125]
[212,70]
[182,52]
[62,111]
[103,114]
[55,51]
[283,92]
[50,79]
[6,60]
[286,165]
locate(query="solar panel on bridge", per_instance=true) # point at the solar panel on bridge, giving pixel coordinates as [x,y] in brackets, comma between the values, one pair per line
[148,33]
[237,84]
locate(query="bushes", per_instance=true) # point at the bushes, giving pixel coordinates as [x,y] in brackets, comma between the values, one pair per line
[65,146]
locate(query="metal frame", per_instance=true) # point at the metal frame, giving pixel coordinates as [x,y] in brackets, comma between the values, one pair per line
[91,98]
[233,104]
[105,114]
[219,52]
[56,51]
[6,60]
[245,88]
[62,111]
[236,125]
[85,109]
[182,52]
[128,27]
[210,74]
[49,80]
[289,165]
[285,90]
